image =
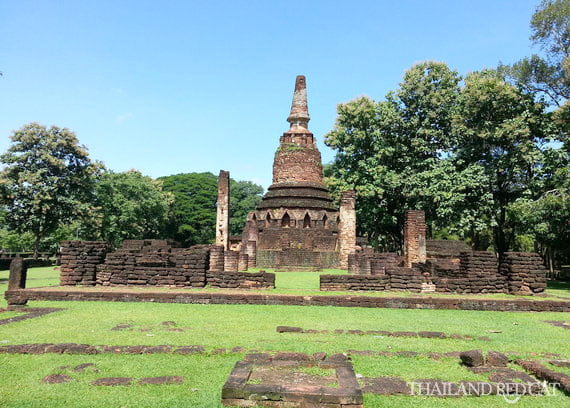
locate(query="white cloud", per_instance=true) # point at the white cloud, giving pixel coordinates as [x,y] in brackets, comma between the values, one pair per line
[124,117]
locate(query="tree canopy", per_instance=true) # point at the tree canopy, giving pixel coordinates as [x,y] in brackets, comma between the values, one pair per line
[193,217]
[548,75]
[465,150]
[129,205]
[47,180]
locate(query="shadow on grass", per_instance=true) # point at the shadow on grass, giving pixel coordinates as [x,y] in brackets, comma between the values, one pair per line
[561,285]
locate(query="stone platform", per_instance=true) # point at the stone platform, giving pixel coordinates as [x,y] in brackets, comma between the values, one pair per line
[196,296]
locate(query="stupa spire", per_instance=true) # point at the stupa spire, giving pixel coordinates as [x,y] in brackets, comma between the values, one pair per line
[299,116]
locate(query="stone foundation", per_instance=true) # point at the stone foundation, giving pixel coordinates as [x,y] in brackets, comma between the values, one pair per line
[463,272]
[397,279]
[21,296]
[241,280]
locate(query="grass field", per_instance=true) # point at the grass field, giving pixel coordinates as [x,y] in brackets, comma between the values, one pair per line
[252,327]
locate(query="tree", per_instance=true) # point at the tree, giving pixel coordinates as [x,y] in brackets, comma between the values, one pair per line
[547,76]
[547,217]
[383,146]
[193,217]
[129,206]
[46,181]
[244,197]
[499,130]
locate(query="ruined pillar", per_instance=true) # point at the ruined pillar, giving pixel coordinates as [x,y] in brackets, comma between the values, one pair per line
[243,261]
[414,237]
[231,261]
[18,273]
[251,250]
[223,210]
[217,258]
[347,227]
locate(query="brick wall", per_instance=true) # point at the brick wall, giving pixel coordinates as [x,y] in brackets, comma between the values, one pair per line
[476,272]
[293,257]
[275,237]
[396,279]
[353,282]
[367,262]
[79,261]
[155,263]
[525,273]
[443,248]
[241,280]
[405,279]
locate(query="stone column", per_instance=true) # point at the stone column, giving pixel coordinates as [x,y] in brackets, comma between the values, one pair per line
[251,249]
[231,261]
[414,237]
[217,258]
[243,261]
[18,273]
[347,227]
[223,211]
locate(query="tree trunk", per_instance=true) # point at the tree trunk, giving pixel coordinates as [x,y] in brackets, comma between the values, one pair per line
[37,241]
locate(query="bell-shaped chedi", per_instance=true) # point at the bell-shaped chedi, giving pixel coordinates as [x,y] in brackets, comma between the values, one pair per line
[296,225]
[297,167]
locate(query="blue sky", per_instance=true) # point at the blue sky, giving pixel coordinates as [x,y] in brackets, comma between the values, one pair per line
[171,87]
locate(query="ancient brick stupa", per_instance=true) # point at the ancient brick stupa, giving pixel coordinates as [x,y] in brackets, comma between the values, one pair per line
[296,224]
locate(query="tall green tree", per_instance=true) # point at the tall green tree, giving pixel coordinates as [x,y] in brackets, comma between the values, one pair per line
[193,217]
[129,206]
[383,146]
[546,217]
[244,197]
[47,180]
[500,131]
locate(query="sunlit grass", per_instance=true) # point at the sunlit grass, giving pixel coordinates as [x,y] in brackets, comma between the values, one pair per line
[252,327]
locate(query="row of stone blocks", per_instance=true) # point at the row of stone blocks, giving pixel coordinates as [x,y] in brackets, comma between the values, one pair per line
[156,263]
[241,280]
[471,272]
[79,261]
[370,263]
[525,272]
[396,279]
[491,284]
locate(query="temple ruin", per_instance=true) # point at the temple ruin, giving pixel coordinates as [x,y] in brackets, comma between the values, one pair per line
[296,225]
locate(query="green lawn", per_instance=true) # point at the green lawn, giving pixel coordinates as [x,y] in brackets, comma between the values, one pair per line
[251,327]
